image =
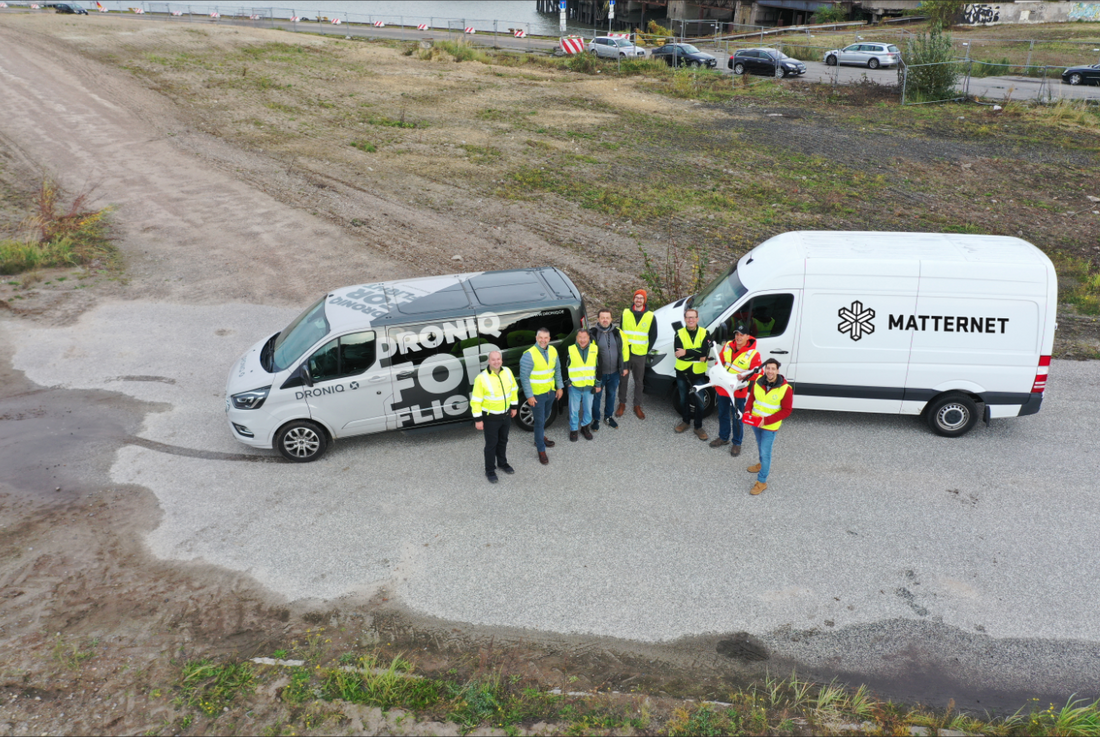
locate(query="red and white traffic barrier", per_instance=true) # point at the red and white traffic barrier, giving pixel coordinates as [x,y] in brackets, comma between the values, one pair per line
[336,21]
[215,15]
[295,19]
[618,35]
[139,11]
[34,6]
[3,5]
[520,33]
[422,27]
[572,45]
[253,17]
[469,29]
[379,24]
[177,12]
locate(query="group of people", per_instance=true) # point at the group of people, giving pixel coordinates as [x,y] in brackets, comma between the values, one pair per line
[597,366]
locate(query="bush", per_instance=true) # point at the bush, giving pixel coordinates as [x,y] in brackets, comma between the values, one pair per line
[57,235]
[584,63]
[930,69]
[830,14]
[940,12]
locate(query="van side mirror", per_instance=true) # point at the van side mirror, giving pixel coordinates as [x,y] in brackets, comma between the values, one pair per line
[303,374]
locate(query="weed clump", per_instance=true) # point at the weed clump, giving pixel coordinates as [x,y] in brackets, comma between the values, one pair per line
[57,235]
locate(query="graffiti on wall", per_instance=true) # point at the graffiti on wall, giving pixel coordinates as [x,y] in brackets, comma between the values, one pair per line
[975,14]
[1084,11]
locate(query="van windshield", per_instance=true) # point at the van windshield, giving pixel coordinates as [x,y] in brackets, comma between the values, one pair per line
[720,294]
[300,335]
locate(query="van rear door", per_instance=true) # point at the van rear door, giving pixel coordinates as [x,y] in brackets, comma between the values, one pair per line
[848,359]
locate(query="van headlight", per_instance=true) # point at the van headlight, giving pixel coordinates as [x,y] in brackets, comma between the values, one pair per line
[252,399]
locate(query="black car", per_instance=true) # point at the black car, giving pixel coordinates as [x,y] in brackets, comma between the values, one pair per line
[70,8]
[768,62]
[679,54]
[1082,75]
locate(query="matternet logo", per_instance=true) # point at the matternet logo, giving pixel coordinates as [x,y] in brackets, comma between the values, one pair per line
[856,321]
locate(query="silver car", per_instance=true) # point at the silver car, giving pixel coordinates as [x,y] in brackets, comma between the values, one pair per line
[864,54]
[614,47]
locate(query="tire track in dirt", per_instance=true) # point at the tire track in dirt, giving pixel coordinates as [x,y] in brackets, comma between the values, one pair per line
[187,230]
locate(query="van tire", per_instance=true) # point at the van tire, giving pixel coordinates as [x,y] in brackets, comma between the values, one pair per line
[301,441]
[710,401]
[525,417]
[951,415]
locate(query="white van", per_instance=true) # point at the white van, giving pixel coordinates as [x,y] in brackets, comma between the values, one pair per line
[393,355]
[949,327]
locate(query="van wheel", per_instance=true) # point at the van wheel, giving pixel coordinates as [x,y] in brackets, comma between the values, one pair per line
[301,441]
[952,415]
[710,401]
[525,417]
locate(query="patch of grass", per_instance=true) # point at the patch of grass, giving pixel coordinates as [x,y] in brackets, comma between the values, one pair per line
[394,122]
[482,154]
[1078,282]
[70,654]
[58,235]
[210,687]
[364,146]
[387,688]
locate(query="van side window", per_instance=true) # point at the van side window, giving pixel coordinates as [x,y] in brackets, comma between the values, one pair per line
[417,343]
[517,331]
[345,356]
[765,316]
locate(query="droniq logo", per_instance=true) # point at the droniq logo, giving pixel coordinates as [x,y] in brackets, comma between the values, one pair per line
[856,321]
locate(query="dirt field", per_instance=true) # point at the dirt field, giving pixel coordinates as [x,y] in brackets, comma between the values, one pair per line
[254,166]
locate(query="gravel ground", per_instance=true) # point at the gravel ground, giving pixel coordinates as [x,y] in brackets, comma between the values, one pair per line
[870,521]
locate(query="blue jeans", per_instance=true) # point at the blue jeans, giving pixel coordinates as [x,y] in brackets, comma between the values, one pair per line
[764,441]
[728,418]
[580,407]
[610,390]
[540,411]
[684,382]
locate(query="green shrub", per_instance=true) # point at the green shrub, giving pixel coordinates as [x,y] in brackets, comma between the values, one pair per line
[58,236]
[930,69]
[584,63]
[830,14]
[364,146]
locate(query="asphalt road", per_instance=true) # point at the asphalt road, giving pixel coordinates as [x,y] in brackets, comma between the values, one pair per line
[879,549]
[997,88]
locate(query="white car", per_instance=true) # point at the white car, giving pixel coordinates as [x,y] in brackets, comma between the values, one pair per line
[613,47]
[870,55]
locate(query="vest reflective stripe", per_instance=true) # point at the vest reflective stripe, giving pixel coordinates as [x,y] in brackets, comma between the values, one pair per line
[637,333]
[698,367]
[742,363]
[493,394]
[542,373]
[583,373]
[768,402]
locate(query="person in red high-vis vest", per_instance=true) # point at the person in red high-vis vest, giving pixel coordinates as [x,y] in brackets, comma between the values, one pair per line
[740,357]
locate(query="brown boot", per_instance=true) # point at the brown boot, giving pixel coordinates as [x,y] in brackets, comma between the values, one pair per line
[620,409]
[757,488]
[638,411]
[682,427]
[586,433]
[754,468]
[543,458]
[701,433]
[735,450]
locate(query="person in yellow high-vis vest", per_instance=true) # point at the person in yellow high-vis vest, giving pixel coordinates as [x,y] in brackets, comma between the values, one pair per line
[639,331]
[691,348]
[494,401]
[770,402]
[583,382]
[540,376]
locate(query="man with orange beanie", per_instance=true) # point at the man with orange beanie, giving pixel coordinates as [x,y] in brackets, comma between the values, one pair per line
[640,331]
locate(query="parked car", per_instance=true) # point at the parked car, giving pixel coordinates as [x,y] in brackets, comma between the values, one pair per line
[870,55]
[70,8]
[1082,75]
[394,355]
[679,54]
[769,62]
[613,47]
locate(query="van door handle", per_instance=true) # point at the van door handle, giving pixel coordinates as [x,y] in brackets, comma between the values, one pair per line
[779,351]
[375,379]
[405,375]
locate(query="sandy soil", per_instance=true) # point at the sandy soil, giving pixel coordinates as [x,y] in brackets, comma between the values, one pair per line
[221,203]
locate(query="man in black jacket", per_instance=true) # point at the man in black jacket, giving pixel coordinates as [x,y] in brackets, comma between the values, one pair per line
[691,347]
[611,367]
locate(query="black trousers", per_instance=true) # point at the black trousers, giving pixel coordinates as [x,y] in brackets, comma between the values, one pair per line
[496,440]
